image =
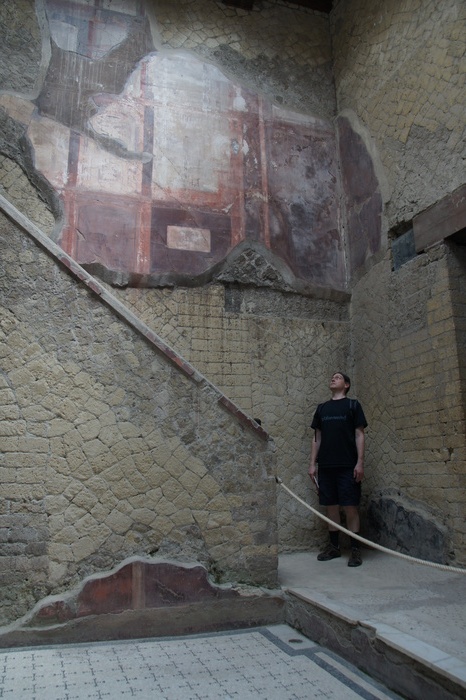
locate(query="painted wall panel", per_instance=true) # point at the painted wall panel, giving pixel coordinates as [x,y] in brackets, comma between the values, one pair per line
[179,156]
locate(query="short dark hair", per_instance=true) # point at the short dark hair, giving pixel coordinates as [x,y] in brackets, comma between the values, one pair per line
[346,378]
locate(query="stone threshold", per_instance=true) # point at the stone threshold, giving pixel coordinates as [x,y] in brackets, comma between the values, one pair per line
[403,663]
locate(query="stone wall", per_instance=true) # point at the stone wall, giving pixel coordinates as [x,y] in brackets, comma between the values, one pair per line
[458,285]
[21,47]
[409,373]
[271,353]
[280,49]
[398,80]
[400,120]
[109,450]
[399,66]
[22,193]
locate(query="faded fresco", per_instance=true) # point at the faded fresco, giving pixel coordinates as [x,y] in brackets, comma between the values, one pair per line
[164,165]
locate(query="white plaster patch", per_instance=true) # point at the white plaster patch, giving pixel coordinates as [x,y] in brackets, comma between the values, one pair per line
[50,141]
[122,120]
[87,32]
[128,7]
[106,37]
[186,238]
[64,35]
[102,171]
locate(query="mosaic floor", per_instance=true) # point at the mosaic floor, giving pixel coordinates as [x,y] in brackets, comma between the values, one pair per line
[273,662]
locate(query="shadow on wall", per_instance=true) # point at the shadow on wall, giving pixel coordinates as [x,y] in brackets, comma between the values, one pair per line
[401,524]
[363,199]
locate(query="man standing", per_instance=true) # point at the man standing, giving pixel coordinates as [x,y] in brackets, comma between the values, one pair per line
[338,448]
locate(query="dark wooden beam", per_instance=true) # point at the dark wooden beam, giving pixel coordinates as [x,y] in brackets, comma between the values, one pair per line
[242,4]
[319,5]
[443,219]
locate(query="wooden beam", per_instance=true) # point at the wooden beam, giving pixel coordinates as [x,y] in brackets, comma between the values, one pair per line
[441,220]
[242,4]
[319,5]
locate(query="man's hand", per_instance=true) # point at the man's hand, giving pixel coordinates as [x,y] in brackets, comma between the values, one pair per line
[312,471]
[359,468]
[358,472]
[315,446]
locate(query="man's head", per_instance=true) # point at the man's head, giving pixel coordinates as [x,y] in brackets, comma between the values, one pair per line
[340,382]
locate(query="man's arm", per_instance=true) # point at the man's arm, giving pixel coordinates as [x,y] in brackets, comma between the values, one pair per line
[315,446]
[360,443]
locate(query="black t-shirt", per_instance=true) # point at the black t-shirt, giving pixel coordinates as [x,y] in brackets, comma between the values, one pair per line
[337,421]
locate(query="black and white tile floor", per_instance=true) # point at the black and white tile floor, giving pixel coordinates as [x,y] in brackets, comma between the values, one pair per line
[270,662]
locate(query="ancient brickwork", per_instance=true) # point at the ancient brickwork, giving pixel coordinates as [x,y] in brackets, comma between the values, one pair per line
[459,307]
[373,374]
[109,451]
[456,440]
[272,354]
[410,376]
[400,68]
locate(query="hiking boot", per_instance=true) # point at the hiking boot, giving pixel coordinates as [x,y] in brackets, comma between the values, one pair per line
[330,552]
[355,558]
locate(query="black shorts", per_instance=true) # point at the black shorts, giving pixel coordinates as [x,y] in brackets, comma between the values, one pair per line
[337,486]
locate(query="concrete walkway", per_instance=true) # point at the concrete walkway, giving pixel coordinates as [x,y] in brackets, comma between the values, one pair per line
[418,610]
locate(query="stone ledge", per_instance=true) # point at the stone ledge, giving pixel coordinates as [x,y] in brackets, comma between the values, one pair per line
[405,665]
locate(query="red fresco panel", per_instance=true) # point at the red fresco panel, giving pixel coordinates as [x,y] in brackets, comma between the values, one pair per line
[181,154]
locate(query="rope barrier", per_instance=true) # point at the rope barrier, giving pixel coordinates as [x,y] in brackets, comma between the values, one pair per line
[374,545]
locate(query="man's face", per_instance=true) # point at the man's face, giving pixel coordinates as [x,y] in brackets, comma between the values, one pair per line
[337,382]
